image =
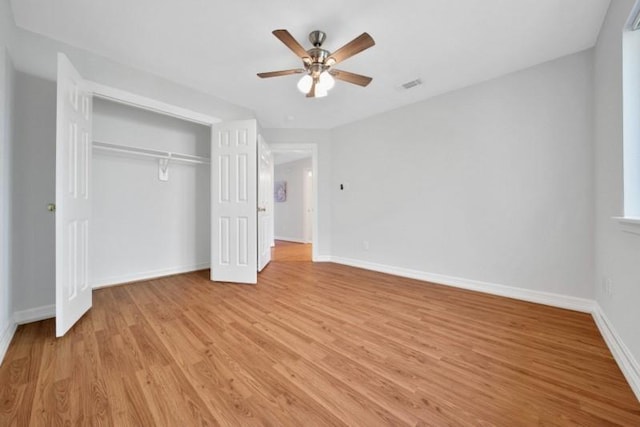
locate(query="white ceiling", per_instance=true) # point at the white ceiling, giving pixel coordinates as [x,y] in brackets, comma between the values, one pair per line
[219,46]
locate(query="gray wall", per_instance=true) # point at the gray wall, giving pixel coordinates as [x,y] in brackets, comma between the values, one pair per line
[617,251]
[6,166]
[491,183]
[34,176]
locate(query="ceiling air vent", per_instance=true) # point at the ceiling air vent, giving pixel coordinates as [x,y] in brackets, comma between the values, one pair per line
[412,84]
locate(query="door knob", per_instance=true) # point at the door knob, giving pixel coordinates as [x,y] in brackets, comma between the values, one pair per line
[261,209]
[51,207]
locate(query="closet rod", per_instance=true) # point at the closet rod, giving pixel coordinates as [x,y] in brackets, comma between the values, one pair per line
[148,152]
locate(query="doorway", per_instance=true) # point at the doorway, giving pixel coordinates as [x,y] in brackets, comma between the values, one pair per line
[295,198]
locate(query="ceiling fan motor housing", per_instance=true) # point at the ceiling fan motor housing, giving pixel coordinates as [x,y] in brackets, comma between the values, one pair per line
[317,37]
[317,55]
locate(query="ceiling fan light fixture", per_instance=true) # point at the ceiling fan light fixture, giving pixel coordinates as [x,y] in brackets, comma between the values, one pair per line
[304,85]
[326,81]
[320,92]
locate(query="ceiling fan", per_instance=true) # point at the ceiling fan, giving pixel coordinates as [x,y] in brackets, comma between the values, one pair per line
[318,63]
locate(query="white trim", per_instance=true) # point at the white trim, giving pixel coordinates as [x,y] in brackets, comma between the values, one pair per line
[322,258]
[628,364]
[313,148]
[628,224]
[556,300]
[5,339]
[147,275]
[291,239]
[128,98]
[633,21]
[34,314]
[627,220]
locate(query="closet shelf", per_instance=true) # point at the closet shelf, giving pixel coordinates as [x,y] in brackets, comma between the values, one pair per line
[148,152]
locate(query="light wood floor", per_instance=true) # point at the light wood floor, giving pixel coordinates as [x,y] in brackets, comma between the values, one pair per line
[313,344]
[290,252]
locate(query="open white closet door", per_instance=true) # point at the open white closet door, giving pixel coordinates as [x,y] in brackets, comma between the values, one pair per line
[265,203]
[234,248]
[73,203]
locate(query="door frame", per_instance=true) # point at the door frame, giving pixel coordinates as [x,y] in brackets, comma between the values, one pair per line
[264,149]
[312,148]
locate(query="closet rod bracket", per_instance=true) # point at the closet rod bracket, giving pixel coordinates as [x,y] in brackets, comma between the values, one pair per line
[163,168]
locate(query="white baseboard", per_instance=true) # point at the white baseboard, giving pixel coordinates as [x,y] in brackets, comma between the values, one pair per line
[627,363]
[34,314]
[322,258]
[146,275]
[5,339]
[291,239]
[49,311]
[547,298]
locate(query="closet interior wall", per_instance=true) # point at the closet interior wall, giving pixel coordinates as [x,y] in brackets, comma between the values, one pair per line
[143,227]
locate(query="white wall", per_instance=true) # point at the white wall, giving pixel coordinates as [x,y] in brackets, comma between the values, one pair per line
[6,147]
[290,215]
[617,251]
[33,159]
[322,140]
[491,183]
[143,227]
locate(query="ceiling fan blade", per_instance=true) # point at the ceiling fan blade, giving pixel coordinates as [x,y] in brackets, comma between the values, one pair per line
[281,73]
[357,45]
[356,79]
[286,38]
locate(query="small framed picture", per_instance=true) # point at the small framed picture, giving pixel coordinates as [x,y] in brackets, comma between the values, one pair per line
[280,191]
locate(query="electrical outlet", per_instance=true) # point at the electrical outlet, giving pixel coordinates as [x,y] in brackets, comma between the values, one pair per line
[365,245]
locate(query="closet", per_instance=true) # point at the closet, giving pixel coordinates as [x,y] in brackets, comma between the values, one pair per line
[151,195]
[145,189]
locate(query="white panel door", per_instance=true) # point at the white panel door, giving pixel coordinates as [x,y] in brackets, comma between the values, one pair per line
[73,191]
[265,199]
[234,249]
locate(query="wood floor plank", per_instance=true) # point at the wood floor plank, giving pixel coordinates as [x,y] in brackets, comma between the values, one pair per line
[314,345]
